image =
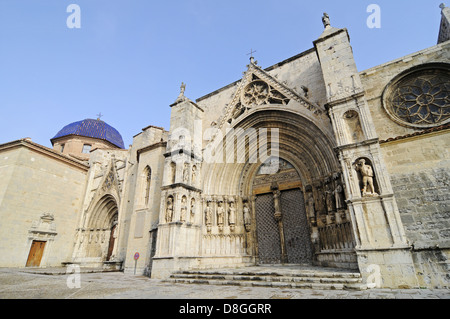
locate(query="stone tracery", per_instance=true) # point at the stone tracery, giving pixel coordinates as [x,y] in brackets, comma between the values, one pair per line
[421,98]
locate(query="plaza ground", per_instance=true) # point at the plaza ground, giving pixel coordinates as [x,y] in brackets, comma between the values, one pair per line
[57,284]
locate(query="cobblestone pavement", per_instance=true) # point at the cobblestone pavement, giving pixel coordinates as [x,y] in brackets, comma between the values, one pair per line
[19,284]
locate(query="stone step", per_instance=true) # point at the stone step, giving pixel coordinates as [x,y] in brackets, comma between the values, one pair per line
[308,279]
[280,284]
[281,273]
[283,278]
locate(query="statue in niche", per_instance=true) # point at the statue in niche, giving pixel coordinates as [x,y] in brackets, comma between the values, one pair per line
[169,209]
[194,175]
[340,198]
[183,209]
[173,172]
[247,216]
[208,215]
[232,215]
[186,173]
[329,198]
[367,178]
[353,127]
[311,208]
[192,211]
[220,214]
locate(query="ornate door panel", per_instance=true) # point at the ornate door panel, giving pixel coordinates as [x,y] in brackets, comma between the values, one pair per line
[268,236]
[296,230]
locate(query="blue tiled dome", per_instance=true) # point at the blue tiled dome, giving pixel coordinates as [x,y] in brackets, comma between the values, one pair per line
[92,128]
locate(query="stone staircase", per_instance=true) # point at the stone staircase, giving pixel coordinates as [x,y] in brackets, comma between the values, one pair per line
[273,276]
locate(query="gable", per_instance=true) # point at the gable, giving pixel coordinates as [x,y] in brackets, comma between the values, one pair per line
[258,88]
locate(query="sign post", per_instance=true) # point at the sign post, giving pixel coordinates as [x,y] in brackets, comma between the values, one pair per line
[136,257]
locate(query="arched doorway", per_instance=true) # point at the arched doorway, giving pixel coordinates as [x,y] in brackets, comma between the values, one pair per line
[97,239]
[309,147]
[283,234]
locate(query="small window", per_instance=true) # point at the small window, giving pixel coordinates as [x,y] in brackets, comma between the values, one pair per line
[62,148]
[86,149]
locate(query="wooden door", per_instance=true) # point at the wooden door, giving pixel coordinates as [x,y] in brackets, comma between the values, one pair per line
[36,252]
[111,243]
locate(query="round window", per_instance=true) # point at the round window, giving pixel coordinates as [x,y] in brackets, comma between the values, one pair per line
[420,98]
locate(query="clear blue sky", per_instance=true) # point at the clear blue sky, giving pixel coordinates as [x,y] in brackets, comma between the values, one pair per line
[129,57]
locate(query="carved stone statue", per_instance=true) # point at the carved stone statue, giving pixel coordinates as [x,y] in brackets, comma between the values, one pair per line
[330,200]
[340,198]
[367,177]
[208,215]
[194,175]
[326,20]
[311,209]
[169,209]
[192,210]
[182,89]
[247,217]
[220,215]
[186,173]
[232,215]
[183,209]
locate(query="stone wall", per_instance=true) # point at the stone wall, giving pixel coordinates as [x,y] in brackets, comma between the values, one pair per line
[421,180]
[41,200]
[140,212]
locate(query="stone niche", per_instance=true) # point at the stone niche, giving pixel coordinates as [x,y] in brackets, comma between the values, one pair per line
[353,129]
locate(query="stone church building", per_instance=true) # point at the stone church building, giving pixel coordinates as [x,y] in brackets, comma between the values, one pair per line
[308,161]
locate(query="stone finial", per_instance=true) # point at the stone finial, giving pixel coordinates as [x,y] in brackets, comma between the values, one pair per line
[182,89]
[442,6]
[326,20]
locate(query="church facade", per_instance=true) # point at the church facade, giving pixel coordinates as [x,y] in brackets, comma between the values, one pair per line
[309,161]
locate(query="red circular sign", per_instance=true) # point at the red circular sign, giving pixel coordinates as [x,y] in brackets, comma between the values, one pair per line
[136,256]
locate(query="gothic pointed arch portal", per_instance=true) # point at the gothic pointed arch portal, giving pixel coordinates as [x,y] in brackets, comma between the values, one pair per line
[98,240]
[317,185]
[282,229]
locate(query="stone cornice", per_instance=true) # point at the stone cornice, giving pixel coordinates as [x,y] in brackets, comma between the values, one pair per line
[149,148]
[45,151]
[432,130]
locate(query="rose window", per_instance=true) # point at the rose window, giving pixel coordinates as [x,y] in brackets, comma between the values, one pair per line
[421,98]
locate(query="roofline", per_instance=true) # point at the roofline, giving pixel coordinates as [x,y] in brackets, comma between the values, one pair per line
[26,142]
[406,58]
[268,69]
